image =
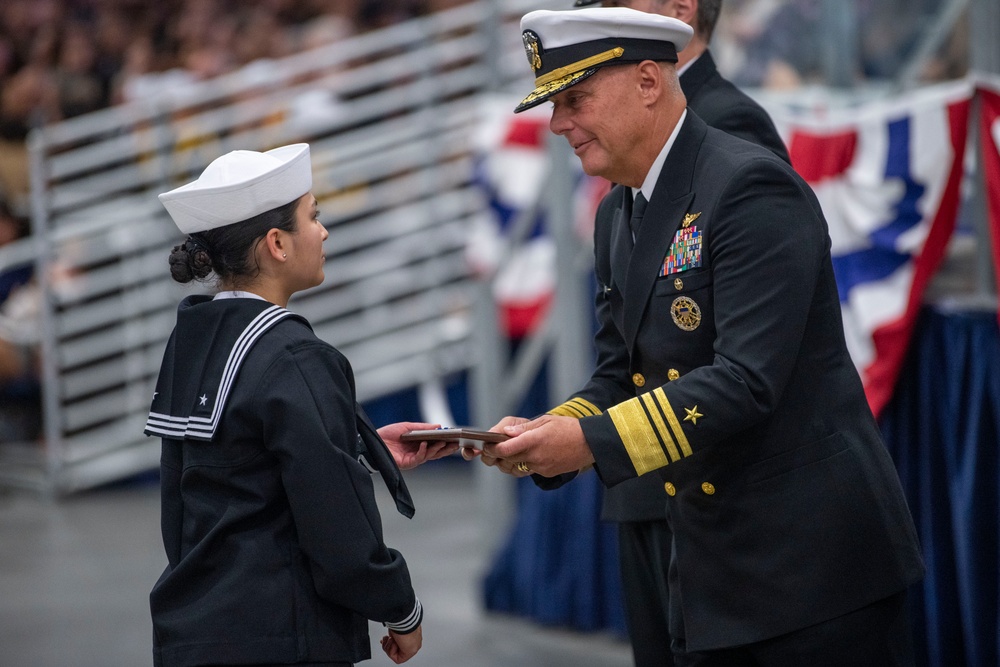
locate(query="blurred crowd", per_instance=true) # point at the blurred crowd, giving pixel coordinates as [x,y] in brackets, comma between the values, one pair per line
[782,44]
[20,406]
[63,58]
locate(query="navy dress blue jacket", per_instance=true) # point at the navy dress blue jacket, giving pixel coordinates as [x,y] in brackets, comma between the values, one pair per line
[723,375]
[273,539]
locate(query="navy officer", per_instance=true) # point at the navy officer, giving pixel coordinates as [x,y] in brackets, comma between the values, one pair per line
[722,368]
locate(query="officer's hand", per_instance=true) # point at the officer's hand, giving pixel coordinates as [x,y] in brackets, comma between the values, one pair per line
[550,445]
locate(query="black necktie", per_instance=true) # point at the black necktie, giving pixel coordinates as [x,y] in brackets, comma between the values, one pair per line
[638,208]
[381,459]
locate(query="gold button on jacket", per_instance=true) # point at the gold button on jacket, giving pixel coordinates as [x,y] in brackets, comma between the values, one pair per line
[708,488]
[638,379]
[673,374]
[669,488]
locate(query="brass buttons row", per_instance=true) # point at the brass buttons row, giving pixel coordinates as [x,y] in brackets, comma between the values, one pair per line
[708,488]
[639,379]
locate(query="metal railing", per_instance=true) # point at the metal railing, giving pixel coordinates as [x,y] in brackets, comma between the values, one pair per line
[389,115]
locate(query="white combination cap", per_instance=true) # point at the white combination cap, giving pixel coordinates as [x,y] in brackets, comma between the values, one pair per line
[566,47]
[238,186]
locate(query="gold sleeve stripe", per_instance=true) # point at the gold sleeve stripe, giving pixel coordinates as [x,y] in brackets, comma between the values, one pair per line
[641,444]
[577,408]
[566,410]
[654,415]
[661,398]
[588,408]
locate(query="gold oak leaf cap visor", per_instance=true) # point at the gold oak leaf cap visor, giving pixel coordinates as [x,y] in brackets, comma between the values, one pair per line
[566,47]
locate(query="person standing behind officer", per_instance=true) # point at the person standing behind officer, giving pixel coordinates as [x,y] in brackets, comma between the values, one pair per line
[722,368]
[637,507]
[714,98]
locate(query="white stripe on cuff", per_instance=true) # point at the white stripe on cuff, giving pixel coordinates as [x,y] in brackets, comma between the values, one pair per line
[410,623]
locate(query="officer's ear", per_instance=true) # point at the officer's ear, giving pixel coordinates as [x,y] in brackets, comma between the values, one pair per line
[650,79]
[685,10]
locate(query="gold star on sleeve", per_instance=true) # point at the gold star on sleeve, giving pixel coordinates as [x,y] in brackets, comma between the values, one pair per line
[693,415]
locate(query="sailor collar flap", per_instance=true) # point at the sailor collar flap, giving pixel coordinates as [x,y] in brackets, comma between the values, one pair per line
[194,384]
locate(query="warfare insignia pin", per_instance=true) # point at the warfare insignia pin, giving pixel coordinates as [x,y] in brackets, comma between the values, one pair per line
[532,48]
[685,313]
[689,218]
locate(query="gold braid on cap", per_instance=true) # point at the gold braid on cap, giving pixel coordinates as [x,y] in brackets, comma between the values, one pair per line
[579,65]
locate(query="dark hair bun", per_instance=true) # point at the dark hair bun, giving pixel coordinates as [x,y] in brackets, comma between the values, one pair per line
[189,261]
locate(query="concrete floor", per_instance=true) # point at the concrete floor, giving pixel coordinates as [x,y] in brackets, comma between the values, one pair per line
[75,575]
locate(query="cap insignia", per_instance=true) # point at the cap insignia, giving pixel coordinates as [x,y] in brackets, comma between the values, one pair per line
[532,49]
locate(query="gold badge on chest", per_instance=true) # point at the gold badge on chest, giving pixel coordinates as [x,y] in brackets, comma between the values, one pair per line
[685,313]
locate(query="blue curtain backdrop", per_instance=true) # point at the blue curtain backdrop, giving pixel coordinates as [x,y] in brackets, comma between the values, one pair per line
[942,430]
[559,565]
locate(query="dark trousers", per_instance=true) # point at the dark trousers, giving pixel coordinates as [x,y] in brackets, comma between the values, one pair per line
[644,554]
[299,664]
[877,635]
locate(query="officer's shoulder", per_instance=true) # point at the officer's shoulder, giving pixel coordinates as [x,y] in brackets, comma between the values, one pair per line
[723,94]
[720,146]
